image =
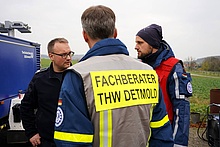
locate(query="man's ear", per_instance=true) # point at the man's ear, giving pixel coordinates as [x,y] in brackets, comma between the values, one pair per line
[51,56]
[85,36]
[115,33]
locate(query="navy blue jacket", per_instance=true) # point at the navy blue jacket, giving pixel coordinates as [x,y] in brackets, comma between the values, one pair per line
[42,95]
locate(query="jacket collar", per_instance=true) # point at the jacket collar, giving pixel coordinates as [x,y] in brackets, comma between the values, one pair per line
[52,74]
[106,47]
[163,53]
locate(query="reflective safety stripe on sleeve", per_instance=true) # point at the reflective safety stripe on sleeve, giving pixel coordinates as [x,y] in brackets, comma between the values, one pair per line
[159,123]
[177,91]
[105,128]
[73,137]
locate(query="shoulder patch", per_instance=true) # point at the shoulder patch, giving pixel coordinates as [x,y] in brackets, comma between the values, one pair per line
[59,117]
[189,87]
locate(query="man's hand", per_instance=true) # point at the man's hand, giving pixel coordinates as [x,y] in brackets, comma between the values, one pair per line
[35,140]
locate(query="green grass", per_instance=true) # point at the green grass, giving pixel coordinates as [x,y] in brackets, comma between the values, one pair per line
[201,92]
[45,63]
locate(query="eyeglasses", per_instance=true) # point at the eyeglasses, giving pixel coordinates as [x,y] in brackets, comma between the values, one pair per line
[64,56]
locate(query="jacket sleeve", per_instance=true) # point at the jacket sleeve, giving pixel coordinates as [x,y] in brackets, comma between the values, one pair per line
[180,90]
[27,108]
[161,130]
[73,126]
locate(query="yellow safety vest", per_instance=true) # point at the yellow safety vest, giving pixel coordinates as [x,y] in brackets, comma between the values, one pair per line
[120,92]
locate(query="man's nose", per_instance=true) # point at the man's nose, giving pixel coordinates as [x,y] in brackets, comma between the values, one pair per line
[68,57]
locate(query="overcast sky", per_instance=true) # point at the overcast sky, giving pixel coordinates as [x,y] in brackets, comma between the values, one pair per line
[191,27]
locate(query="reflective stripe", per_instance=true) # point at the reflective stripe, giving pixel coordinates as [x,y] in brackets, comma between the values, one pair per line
[176,123]
[101,132]
[160,123]
[110,128]
[182,96]
[106,128]
[151,114]
[176,84]
[177,91]
[73,137]
[177,145]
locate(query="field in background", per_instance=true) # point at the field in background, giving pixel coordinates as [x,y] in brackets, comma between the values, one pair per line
[201,92]
[202,83]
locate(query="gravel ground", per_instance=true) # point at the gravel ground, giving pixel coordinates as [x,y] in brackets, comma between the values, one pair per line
[194,140]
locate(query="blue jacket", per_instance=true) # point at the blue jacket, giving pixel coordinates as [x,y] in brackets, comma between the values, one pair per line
[179,89]
[72,112]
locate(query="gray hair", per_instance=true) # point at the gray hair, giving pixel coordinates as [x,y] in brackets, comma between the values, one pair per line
[98,22]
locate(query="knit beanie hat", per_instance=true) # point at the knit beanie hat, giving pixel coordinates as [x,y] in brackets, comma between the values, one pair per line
[152,34]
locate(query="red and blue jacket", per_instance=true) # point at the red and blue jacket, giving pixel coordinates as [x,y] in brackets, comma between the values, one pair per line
[176,85]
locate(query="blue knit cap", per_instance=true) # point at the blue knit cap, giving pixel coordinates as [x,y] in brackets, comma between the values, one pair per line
[152,34]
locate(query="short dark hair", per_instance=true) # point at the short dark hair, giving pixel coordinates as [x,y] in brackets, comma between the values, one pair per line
[50,45]
[98,22]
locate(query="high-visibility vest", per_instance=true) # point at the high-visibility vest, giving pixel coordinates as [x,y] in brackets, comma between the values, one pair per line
[111,84]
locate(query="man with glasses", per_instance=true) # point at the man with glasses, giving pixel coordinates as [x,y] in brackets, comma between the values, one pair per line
[38,107]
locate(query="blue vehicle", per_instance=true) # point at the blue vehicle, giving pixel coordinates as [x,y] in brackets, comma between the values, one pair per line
[19,60]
